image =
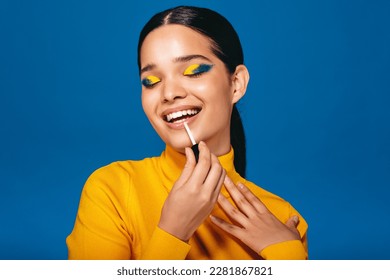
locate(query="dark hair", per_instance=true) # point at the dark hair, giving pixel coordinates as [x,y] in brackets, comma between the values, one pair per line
[225,44]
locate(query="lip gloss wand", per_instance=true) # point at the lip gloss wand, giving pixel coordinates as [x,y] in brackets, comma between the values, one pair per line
[194,147]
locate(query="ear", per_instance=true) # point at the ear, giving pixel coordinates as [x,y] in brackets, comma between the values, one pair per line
[240,80]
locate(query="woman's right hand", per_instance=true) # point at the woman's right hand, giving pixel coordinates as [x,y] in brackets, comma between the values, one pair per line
[194,194]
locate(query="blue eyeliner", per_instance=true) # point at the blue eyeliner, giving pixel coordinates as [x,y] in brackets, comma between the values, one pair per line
[202,68]
[146,82]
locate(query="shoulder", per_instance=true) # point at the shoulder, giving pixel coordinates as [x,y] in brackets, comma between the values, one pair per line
[122,170]
[266,196]
[117,178]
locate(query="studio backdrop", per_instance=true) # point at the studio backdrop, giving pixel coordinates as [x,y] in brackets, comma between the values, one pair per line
[316,113]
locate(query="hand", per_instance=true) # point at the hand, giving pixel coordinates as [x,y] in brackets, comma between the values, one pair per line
[193,195]
[255,225]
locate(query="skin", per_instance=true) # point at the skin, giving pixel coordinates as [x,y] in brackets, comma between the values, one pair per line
[168,54]
[254,224]
[214,92]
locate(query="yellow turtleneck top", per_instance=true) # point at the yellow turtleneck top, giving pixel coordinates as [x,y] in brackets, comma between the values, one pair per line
[120,208]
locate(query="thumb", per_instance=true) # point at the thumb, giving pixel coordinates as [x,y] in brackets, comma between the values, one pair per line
[292,222]
[188,168]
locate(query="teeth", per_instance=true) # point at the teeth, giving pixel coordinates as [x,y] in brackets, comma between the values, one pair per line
[179,114]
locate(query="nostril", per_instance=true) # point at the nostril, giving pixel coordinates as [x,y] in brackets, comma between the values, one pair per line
[172,91]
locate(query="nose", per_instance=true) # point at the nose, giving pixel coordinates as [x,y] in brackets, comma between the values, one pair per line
[172,90]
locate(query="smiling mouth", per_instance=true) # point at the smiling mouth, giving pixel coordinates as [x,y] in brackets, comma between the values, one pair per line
[181,116]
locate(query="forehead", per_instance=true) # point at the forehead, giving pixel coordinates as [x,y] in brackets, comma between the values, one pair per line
[173,40]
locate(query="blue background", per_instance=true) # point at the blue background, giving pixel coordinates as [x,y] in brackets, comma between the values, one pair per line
[316,113]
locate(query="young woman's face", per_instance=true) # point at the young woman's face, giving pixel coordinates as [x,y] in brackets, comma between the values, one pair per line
[183,81]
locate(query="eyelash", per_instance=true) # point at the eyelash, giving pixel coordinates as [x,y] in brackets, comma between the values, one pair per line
[195,74]
[148,86]
[145,82]
[201,69]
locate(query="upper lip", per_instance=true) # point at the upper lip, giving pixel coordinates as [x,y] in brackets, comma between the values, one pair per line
[178,109]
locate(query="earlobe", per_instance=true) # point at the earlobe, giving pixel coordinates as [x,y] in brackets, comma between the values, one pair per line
[240,82]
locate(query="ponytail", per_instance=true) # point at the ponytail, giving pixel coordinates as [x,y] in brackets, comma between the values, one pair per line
[237,139]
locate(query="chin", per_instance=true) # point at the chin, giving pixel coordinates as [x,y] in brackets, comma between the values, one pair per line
[178,144]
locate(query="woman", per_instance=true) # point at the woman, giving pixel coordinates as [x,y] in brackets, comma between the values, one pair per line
[171,206]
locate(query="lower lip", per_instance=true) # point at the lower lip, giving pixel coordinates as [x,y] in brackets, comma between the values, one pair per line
[180,125]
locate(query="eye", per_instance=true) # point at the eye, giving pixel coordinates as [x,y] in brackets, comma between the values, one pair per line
[150,81]
[195,70]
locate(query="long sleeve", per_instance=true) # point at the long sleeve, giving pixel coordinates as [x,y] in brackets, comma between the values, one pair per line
[163,246]
[118,216]
[99,231]
[289,250]
[120,208]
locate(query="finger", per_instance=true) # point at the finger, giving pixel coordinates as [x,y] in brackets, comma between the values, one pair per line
[202,167]
[229,228]
[231,211]
[188,168]
[252,199]
[238,198]
[220,182]
[212,183]
[292,223]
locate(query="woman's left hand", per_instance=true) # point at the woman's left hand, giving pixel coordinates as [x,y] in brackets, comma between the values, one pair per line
[254,224]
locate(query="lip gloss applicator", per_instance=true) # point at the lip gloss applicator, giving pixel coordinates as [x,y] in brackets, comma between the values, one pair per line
[194,147]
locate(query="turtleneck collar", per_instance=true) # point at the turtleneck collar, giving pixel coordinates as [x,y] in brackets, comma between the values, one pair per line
[172,163]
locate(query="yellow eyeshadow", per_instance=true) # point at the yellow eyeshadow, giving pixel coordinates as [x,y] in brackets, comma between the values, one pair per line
[153,79]
[191,69]
[150,80]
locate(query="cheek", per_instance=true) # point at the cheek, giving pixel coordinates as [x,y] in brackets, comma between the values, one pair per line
[147,104]
[219,95]
[212,89]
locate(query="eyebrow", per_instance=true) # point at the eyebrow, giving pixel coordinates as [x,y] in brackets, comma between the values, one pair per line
[147,68]
[185,58]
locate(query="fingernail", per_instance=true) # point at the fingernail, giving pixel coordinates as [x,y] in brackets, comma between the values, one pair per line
[240,185]
[295,219]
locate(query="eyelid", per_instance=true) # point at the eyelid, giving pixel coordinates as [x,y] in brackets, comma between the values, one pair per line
[197,69]
[150,80]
